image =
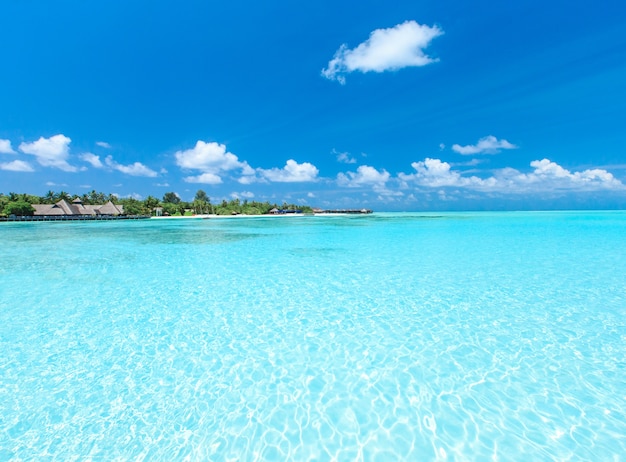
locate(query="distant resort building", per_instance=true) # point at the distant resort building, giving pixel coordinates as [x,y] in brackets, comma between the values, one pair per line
[318,211]
[276,211]
[77,209]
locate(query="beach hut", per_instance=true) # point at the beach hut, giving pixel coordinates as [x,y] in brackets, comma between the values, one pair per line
[76,210]
[110,209]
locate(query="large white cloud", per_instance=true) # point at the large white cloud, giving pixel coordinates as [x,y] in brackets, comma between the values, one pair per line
[50,152]
[546,176]
[5,147]
[487,145]
[134,169]
[212,159]
[364,176]
[557,177]
[209,157]
[386,49]
[435,173]
[16,166]
[292,172]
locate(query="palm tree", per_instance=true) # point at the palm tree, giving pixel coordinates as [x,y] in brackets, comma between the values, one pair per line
[64,196]
[171,198]
[201,203]
[50,197]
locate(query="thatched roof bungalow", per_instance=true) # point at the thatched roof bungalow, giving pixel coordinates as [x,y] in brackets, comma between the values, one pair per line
[110,209]
[77,209]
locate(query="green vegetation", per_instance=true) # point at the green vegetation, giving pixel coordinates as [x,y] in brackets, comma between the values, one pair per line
[18,208]
[169,205]
[171,198]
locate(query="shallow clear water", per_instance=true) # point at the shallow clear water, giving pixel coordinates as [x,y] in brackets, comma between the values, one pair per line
[384,337]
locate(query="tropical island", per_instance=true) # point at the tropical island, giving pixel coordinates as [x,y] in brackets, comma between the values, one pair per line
[98,205]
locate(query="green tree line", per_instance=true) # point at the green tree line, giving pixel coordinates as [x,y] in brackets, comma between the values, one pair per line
[171,204]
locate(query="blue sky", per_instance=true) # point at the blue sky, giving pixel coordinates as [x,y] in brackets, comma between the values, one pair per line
[408,105]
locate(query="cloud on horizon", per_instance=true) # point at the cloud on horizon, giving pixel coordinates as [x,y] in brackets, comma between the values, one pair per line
[385,50]
[487,145]
[244,194]
[546,176]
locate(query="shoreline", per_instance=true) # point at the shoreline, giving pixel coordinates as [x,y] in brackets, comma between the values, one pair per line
[213,216]
[187,217]
[268,215]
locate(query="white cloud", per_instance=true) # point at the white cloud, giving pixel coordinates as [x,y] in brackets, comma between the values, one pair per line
[205,178]
[249,179]
[385,50]
[103,144]
[434,173]
[50,152]
[292,172]
[135,169]
[5,147]
[162,185]
[470,163]
[364,176]
[344,157]
[209,157]
[16,166]
[310,195]
[244,194]
[551,173]
[546,176]
[487,145]
[92,159]
[212,159]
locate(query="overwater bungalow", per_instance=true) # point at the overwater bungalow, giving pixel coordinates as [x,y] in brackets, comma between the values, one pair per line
[276,211]
[317,211]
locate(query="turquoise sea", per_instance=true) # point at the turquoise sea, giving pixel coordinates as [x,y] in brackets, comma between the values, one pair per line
[458,336]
